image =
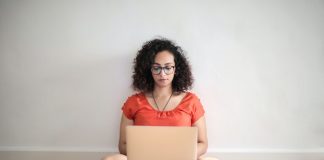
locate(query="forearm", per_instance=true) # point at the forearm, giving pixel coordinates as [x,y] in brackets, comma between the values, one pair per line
[122,148]
[201,148]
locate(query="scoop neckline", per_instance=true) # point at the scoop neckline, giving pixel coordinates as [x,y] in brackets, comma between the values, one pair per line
[175,108]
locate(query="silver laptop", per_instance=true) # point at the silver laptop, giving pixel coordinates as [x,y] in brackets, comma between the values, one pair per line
[161,143]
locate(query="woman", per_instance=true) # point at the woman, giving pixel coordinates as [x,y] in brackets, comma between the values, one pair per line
[163,77]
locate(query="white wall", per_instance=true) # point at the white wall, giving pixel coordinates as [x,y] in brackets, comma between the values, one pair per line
[66,70]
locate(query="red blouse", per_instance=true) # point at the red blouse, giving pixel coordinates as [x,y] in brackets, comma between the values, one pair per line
[138,109]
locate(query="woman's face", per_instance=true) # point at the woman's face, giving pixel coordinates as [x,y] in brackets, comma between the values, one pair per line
[163,69]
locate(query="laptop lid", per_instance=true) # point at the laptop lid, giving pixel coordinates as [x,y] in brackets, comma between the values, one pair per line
[161,143]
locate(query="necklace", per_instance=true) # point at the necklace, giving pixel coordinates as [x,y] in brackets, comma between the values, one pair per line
[157,106]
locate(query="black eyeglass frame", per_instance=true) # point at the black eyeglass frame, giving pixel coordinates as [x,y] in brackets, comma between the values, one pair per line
[163,68]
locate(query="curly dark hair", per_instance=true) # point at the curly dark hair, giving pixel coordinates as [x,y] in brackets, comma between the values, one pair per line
[142,77]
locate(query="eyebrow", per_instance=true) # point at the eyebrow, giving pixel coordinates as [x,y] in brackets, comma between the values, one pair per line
[164,64]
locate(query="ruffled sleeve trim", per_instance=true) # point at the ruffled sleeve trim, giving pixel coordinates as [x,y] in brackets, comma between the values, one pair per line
[131,106]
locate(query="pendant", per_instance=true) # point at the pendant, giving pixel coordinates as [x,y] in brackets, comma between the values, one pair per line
[161,115]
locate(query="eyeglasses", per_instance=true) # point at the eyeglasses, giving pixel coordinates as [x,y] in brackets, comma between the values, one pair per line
[167,69]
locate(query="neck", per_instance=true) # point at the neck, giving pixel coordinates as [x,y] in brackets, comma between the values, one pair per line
[162,91]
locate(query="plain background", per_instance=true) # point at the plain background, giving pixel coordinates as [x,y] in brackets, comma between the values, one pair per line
[66,66]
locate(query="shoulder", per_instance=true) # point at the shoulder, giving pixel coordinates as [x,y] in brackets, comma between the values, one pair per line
[193,99]
[189,95]
[135,97]
[189,100]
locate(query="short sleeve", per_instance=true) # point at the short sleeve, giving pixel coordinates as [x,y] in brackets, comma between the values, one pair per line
[129,107]
[198,111]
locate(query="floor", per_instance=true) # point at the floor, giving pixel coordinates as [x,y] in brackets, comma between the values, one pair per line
[43,155]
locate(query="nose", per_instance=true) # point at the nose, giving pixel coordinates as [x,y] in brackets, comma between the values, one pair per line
[162,73]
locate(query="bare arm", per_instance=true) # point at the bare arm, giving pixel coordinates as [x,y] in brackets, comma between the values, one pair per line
[122,133]
[202,136]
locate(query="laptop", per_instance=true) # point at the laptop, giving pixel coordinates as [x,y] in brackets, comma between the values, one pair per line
[161,143]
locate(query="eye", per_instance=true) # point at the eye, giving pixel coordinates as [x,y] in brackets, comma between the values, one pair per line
[168,68]
[156,68]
